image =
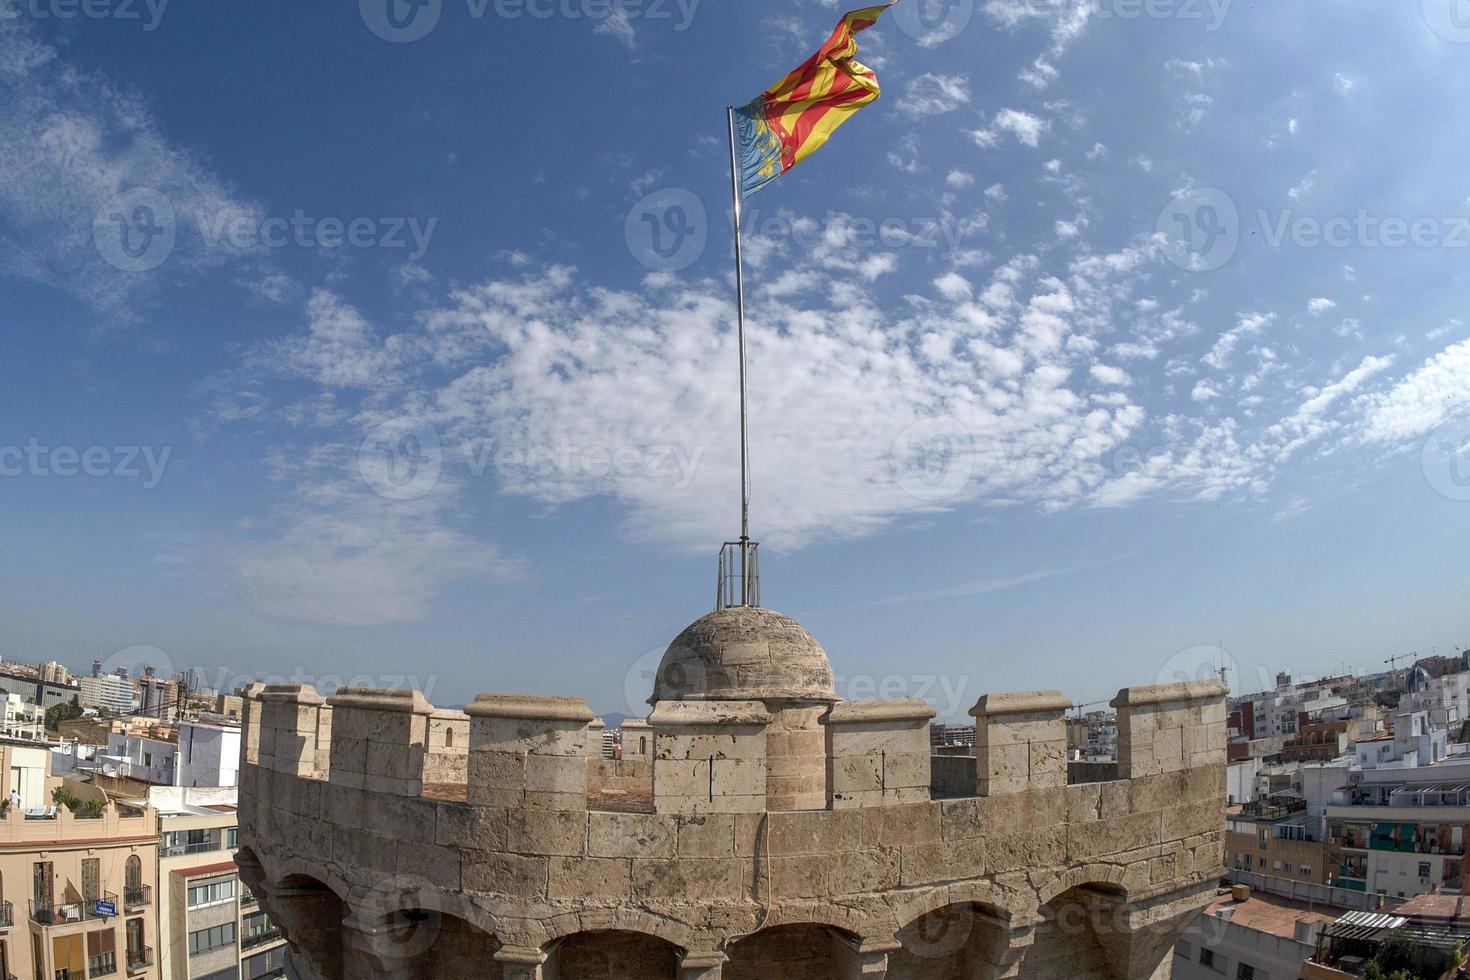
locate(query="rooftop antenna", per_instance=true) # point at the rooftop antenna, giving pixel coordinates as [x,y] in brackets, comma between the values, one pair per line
[738,559]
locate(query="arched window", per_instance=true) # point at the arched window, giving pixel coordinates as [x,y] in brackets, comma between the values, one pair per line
[134,872]
[449,738]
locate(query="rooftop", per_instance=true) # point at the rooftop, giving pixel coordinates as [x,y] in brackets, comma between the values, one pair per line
[1272,914]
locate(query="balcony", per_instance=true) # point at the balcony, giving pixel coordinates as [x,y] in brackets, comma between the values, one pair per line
[7,915]
[102,965]
[63,914]
[258,939]
[140,959]
[247,898]
[138,897]
[197,847]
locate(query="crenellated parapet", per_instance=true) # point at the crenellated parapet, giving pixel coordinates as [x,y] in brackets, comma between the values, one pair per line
[381,860]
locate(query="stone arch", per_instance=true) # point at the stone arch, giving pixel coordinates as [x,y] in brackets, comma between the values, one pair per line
[954,940]
[1099,877]
[1081,930]
[310,913]
[797,950]
[616,920]
[613,954]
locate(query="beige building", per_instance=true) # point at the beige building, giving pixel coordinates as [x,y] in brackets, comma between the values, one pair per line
[210,925]
[76,889]
[778,832]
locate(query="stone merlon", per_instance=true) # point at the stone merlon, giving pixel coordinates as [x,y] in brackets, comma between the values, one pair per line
[769,830]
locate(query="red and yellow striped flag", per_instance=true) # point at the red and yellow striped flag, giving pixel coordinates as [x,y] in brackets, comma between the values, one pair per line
[789,122]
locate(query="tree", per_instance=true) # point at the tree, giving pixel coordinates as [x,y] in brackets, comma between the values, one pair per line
[65,711]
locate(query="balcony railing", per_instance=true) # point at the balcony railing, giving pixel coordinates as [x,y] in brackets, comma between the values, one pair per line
[140,959]
[198,847]
[248,899]
[7,915]
[137,897]
[258,939]
[60,914]
[102,965]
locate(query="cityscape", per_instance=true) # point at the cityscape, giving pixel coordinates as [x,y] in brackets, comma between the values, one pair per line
[734,490]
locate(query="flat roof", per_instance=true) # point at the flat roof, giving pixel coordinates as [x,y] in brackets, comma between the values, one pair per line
[1272,914]
[205,869]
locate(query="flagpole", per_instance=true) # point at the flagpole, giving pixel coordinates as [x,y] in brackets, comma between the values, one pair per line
[740,333]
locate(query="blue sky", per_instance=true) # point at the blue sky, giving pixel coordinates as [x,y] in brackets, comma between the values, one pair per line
[1113,334]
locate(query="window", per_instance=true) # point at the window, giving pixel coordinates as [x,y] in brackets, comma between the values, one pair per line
[232,838]
[1245,972]
[211,893]
[208,940]
[1262,863]
[1306,870]
[1424,869]
[1207,958]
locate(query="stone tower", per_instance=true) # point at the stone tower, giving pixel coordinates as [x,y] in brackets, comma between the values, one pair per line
[771,832]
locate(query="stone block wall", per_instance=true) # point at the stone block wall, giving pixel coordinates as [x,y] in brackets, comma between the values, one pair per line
[1027,877]
[528,752]
[877,753]
[709,756]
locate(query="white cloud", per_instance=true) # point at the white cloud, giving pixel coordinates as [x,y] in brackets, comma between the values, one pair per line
[959,180]
[1304,188]
[71,142]
[1433,393]
[619,25]
[1204,391]
[1320,305]
[1249,324]
[1025,127]
[933,95]
[1109,375]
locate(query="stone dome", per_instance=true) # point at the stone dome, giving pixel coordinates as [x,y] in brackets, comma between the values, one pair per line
[745,653]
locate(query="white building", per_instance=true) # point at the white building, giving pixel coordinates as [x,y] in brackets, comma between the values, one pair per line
[205,754]
[208,755]
[110,691]
[22,719]
[140,757]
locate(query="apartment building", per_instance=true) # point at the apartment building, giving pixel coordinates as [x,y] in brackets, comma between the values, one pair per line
[1275,837]
[1400,832]
[210,926]
[75,900]
[21,718]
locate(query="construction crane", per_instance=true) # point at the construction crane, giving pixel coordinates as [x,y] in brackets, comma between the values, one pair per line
[1394,661]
